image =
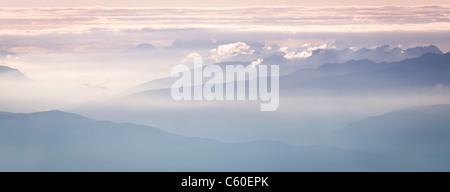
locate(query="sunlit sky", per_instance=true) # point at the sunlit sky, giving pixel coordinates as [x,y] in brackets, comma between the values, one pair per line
[83,47]
[209,3]
[35,21]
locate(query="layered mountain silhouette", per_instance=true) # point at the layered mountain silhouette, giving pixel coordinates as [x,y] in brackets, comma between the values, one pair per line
[384,53]
[418,131]
[413,139]
[322,62]
[426,71]
[407,140]
[58,141]
[390,54]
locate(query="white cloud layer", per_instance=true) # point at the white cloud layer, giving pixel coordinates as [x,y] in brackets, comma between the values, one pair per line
[228,50]
[305,53]
[35,21]
[190,57]
[257,62]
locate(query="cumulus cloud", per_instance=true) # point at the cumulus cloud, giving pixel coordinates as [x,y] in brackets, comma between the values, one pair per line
[190,57]
[305,53]
[267,47]
[257,62]
[293,55]
[228,50]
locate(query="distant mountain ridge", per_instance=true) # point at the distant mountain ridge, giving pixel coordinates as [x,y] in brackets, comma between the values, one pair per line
[324,59]
[390,54]
[411,131]
[426,71]
[10,74]
[319,57]
[58,141]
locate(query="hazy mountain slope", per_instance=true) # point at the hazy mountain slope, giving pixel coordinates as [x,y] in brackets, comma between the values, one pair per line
[426,71]
[10,74]
[331,69]
[57,141]
[415,131]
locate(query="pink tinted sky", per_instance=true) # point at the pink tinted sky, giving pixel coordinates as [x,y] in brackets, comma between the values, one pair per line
[209,3]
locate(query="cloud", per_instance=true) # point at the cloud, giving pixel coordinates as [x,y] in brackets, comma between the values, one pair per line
[228,50]
[267,47]
[257,62]
[90,85]
[36,21]
[190,57]
[305,53]
[293,55]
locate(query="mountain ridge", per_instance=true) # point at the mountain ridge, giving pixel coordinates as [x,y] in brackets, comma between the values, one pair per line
[427,70]
[331,57]
[11,74]
[44,141]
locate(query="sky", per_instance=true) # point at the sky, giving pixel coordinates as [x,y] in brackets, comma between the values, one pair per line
[36,21]
[83,46]
[209,3]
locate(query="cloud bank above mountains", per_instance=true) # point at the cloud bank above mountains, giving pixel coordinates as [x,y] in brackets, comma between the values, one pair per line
[36,21]
[93,29]
[205,3]
[102,51]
